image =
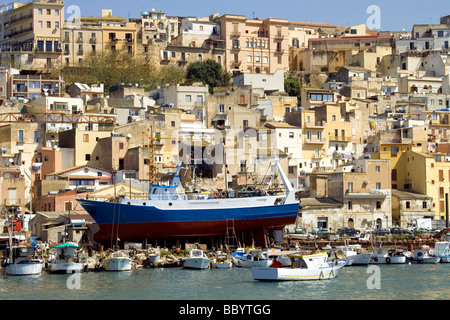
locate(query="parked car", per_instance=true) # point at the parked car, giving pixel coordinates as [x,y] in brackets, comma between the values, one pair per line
[381,231]
[348,232]
[397,230]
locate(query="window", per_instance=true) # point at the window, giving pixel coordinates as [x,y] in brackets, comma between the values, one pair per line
[221,108]
[377,169]
[40,24]
[291,135]
[20,136]
[378,204]
[49,24]
[188,98]
[245,123]
[121,145]
[36,136]
[408,205]
[394,175]
[87,157]
[85,138]
[172,123]
[424,205]
[378,185]
[350,186]
[49,11]
[56,12]
[350,205]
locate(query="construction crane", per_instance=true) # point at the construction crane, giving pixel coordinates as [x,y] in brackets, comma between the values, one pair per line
[44,115]
[152,169]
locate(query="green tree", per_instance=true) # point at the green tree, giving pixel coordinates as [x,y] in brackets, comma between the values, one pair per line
[113,69]
[209,72]
[293,87]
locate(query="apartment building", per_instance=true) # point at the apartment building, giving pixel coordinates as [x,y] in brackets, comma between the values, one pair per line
[81,42]
[32,33]
[255,45]
[364,187]
[198,40]
[32,84]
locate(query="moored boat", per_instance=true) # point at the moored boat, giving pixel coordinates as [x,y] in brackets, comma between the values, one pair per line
[424,255]
[169,213]
[65,259]
[118,261]
[387,255]
[222,261]
[352,254]
[22,261]
[442,250]
[197,260]
[251,258]
[304,267]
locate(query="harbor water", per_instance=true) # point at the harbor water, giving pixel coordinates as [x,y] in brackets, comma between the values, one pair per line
[381,282]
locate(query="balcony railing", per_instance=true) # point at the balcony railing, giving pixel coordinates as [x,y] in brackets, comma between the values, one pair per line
[340,138]
[314,140]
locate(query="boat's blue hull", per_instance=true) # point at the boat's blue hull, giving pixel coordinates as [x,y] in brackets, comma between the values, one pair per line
[136,222]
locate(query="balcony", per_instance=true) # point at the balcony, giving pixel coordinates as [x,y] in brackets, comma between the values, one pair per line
[279,52]
[13,34]
[28,16]
[367,193]
[278,38]
[235,34]
[314,140]
[236,63]
[93,40]
[340,138]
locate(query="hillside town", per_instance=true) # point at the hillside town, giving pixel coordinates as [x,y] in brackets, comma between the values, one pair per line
[357,118]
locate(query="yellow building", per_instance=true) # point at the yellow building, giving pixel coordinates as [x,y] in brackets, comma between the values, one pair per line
[31,33]
[255,45]
[430,174]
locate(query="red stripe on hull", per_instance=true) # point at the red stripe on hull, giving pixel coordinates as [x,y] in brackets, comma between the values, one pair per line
[173,230]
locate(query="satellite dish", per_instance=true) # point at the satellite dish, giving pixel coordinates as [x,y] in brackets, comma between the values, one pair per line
[11,160]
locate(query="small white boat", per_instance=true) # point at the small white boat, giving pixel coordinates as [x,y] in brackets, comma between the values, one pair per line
[22,261]
[353,255]
[222,262]
[423,255]
[65,259]
[251,258]
[442,250]
[118,261]
[304,267]
[387,255]
[197,260]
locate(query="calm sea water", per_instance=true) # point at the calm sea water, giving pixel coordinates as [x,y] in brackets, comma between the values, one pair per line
[398,282]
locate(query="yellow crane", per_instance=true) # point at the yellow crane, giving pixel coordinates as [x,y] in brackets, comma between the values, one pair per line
[152,169]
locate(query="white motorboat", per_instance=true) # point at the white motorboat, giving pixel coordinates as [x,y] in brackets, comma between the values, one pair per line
[442,250]
[251,258]
[65,259]
[22,261]
[303,267]
[353,255]
[387,255]
[423,255]
[118,261]
[197,260]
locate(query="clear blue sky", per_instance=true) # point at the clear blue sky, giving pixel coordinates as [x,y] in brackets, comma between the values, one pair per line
[396,15]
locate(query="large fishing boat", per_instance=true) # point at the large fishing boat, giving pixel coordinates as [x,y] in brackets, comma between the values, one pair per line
[170,213]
